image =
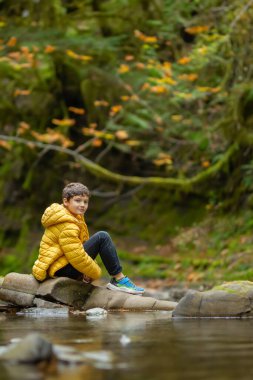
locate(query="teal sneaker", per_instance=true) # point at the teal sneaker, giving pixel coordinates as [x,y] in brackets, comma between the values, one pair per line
[124,285]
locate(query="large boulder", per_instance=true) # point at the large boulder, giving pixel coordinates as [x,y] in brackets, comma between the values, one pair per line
[231,299]
[19,289]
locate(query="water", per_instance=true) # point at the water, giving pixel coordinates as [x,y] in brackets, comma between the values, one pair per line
[138,346]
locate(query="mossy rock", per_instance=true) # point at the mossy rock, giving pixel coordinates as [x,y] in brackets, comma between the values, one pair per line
[231,299]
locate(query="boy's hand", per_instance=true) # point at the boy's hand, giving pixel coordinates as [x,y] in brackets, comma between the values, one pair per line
[87,279]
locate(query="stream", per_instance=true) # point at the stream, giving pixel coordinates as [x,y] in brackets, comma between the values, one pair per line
[136,346]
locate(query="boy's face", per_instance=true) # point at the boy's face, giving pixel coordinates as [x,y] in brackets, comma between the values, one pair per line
[77,205]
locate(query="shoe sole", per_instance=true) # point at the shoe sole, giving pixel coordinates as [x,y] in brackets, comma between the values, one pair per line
[125,290]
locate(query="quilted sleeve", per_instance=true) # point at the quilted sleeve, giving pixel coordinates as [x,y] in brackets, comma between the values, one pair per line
[72,248]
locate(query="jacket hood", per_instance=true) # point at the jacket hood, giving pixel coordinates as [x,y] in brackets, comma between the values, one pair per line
[57,213]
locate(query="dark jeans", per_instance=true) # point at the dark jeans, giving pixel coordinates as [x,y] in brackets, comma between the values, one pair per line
[99,243]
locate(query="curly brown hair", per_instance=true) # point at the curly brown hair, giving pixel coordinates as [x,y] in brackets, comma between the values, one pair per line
[75,188]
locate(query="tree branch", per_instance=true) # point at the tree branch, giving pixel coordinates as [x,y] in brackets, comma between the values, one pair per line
[240,14]
[185,185]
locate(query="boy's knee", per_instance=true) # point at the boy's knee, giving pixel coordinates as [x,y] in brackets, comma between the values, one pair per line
[104,235]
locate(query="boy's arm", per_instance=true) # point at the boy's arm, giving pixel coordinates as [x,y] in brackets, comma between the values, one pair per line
[72,248]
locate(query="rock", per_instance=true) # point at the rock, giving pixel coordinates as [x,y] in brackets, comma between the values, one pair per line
[19,289]
[16,298]
[39,302]
[5,306]
[232,299]
[164,305]
[116,300]
[189,305]
[24,283]
[23,290]
[65,290]
[135,302]
[45,312]
[96,311]
[32,349]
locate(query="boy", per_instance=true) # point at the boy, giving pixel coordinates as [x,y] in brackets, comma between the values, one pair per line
[66,250]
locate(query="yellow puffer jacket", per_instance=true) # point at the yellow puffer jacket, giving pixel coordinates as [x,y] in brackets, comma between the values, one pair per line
[62,244]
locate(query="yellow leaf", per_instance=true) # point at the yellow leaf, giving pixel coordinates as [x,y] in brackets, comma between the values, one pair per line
[51,137]
[147,39]
[18,92]
[205,164]
[158,89]
[215,89]
[97,142]
[145,86]
[12,42]
[140,65]
[64,122]
[121,135]
[78,111]
[197,29]
[150,39]
[25,50]
[49,49]
[108,136]
[85,57]
[163,159]
[129,58]
[23,127]
[190,77]
[4,144]
[133,143]
[125,98]
[166,65]
[72,54]
[169,81]
[184,60]
[88,131]
[202,50]
[176,117]
[101,103]
[123,69]
[203,89]
[115,109]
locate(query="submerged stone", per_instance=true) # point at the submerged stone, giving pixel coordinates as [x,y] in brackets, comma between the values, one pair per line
[96,311]
[45,312]
[32,349]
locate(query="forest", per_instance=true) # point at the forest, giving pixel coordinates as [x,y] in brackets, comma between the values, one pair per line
[150,104]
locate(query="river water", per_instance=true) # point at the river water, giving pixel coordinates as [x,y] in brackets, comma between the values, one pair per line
[137,346]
